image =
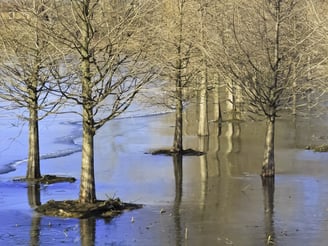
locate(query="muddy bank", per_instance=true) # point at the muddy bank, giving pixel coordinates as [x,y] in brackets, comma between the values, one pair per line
[107,209]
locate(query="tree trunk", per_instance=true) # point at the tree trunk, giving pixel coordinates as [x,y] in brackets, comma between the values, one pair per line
[33,164]
[230,99]
[268,166]
[216,98]
[203,116]
[177,142]
[294,96]
[87,186]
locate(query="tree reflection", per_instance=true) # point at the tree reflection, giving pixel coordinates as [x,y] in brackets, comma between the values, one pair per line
[216,147]
[88,231]
[33,194]
[233,145]
[34,200]
[233,137]
[268,198]
[203,143]
[178,174]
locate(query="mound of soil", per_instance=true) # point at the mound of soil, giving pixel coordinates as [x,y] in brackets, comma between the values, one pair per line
[170,152]
[75,209]
[48,179]
[318,148]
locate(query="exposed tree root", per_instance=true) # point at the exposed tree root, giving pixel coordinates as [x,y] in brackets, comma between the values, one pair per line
[75,209]
[48,179]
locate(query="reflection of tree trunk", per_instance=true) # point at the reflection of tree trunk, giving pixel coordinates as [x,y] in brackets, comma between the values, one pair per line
[268,167]
[268,195]
[178,174]
[203,146]
[177,161]
[35,230]
[88,231]
[217,149]
[33,194]
[229,136]
[233,137]
[233,142]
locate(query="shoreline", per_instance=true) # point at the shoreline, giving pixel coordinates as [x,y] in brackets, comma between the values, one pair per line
[73,138]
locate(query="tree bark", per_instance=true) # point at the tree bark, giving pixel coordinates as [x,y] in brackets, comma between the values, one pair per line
[268,166]
[203,116]
[178,141]
[294,97]
[87,185]
[230,99]
[178,132]
[216,97]
[33,164]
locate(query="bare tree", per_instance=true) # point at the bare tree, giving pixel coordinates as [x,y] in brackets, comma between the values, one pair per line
[203,90]
[105,41]
[318,22]
[262,56]
[29,69]
[175,53]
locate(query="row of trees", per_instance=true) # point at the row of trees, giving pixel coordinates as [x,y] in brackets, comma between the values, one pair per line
[97,55]
[86,53]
